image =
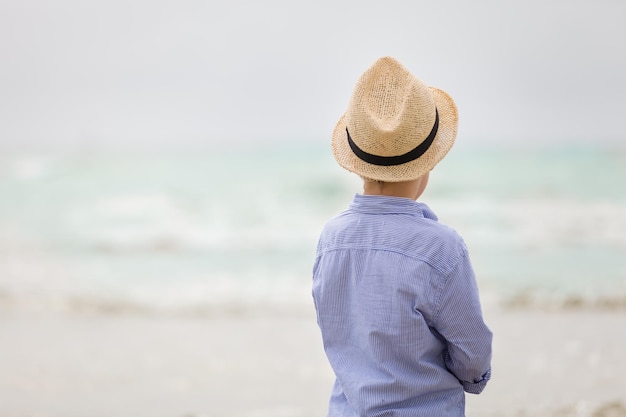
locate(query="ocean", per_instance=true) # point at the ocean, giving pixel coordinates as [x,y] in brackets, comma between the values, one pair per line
[236,229]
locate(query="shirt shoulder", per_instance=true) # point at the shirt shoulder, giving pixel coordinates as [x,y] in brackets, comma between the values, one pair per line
[409,234]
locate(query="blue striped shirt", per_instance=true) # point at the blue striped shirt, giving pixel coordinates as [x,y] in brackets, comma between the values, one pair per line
[399,312]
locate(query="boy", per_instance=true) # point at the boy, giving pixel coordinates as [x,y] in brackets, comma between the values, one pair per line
[395,294]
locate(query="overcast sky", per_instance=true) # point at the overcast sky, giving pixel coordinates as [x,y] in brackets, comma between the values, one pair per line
[143,73]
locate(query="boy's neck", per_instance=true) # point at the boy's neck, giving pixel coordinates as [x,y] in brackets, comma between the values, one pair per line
[406,189]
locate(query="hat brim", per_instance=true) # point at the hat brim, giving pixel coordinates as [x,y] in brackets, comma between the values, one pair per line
[446,135]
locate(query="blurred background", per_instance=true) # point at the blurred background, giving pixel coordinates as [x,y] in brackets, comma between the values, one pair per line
[171,154]
[174,157]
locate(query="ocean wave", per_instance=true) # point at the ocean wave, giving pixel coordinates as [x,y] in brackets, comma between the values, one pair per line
[527,300]
[96,305]
[537,222]
[224,306]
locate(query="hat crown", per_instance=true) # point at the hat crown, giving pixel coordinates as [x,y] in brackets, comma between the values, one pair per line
[391,111]
[396,128]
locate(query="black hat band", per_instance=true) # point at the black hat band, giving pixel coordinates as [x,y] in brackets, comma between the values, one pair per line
[399,159]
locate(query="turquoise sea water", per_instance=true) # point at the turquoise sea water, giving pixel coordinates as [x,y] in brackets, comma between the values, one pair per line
[237,228]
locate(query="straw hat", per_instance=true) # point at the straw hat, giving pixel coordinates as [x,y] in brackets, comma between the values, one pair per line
[396,127]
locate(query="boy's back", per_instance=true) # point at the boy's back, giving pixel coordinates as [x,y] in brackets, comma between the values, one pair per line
[386,277]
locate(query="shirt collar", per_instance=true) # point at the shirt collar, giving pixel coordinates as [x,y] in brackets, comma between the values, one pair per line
[380,204]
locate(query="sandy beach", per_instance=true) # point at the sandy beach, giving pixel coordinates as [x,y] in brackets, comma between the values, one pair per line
[255,364]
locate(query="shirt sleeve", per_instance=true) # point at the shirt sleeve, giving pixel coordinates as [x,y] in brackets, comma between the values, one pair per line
[460,322]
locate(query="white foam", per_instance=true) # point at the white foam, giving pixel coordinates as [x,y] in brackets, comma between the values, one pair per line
[547,222]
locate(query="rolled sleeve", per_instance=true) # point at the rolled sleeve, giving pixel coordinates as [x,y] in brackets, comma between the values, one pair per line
[477,387]
[460,322]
